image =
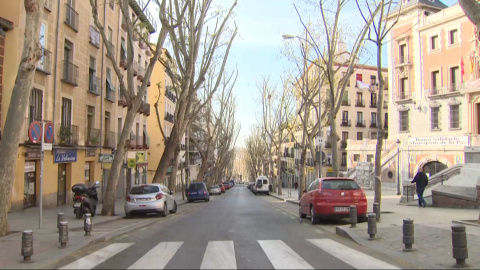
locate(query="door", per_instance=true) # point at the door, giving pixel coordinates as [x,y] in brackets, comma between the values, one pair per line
[62,184]
[30,197]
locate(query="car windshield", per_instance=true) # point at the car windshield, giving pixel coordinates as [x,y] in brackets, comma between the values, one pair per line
[195,187]
[214,186]
[340,185]
[144,190]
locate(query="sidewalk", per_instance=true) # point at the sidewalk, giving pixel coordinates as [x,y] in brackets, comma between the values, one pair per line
[433,240]
[45,240]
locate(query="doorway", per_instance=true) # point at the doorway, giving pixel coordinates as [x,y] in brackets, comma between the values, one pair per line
[30,197]
[433,167]
[62,184]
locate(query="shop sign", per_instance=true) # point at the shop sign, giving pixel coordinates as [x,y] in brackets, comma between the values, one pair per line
[29,167]
[439,141]
[131,163]
[141,157]
[33,153]
[65,155]
[105,158]
[107,166]
[90,152]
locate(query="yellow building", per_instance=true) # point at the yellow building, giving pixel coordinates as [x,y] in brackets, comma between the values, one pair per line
[75,91]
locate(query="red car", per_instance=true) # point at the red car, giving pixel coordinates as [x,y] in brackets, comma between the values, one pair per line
[222,188]
[331,197]
[226,185]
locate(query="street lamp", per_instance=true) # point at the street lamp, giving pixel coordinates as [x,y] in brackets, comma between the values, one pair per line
[398,167]
[287,36]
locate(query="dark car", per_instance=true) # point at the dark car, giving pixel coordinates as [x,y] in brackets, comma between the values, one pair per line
[331,197]
[198,191]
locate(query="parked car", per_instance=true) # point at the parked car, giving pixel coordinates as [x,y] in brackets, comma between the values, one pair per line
[232,183]
[331,197]
[222,188]
[226,185]
[215,189]
[261,185]
[152,198]
[250,185]
[198,191]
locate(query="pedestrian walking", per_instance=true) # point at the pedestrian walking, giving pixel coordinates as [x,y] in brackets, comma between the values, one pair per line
[422,181]
[296,185]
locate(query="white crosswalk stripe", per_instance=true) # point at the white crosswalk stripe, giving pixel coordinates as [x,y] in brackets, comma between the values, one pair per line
[158,256]
[350,256]
[219,255]
[282,256]
[98,257]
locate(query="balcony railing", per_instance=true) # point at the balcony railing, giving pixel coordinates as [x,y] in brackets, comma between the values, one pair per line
[140,143]
[373,104]
[70,73]
[92,137]
[170,117]
[343,144]
[359,103]
[68,135]
[345,102]
[110,95]
[403,60]
[94,84]
[403,95]
[360,123]
[71,17]
[453,87]
[170,95]
[44,64]
[48,5]
[94,36]
[132,142]
[346,123]
[141,73]
[109,139]
[373,124]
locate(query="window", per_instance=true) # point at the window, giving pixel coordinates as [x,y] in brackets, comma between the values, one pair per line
[434,43]
[369,158]
[374,119]
[402,53]
[345,98]
[90,121]
[111,3]
[92,79]
[356,157]
[137,129]
[373,100]
[87,171]
[373,136]
[139,59]
[359,136]
[344,159]
[70,71]
[360,118]
[403,121]
[119,127]
[403,88]
[35,106]
[359,99]
[434,119]
[43,62]
[123,50]
[455,116]
[435,82]
[454,79]
[110,34]
[344,136]
[106,129]
[453,37]
[66,112]
[373,80]
[344,116]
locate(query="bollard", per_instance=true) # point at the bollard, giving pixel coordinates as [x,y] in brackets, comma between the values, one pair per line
[63,234]
[87,223]
[353,216]
[408,234]
[376,210]
[27,245]
[459,243]
[60,218]
[372,225]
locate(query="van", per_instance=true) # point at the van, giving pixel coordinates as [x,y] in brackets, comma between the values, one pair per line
[261,185]
[198,191]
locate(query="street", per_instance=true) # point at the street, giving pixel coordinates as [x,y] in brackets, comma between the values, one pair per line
[236,230]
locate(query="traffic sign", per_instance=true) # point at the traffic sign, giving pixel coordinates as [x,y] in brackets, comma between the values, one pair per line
[35,131]
[47,146]
[49,132]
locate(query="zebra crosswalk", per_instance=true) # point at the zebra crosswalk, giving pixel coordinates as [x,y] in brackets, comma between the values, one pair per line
[222,255]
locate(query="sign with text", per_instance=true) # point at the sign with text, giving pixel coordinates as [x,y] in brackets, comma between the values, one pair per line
[439,141]
[105,158]
[64,155]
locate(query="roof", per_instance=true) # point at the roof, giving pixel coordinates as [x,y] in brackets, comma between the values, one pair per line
[410,3]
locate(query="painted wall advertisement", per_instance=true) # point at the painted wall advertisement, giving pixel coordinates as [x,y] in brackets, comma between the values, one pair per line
[64,155]
[439,141]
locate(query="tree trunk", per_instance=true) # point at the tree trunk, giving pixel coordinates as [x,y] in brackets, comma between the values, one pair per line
[203,168]
[378,149]
[14,124]
[333,136]
[279,169]
[172,182]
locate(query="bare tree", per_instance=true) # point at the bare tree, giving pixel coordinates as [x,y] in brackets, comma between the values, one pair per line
[133,101]
[255,152]
[189,41]
[380,30]
[31,53]
[472,10]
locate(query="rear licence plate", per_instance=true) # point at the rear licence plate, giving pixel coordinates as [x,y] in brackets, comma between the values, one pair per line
[341,209]
[193,193]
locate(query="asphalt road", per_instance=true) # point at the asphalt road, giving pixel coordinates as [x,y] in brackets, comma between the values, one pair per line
[236,230]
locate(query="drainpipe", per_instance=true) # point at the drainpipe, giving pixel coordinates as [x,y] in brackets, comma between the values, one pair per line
[101,100]
[56,64]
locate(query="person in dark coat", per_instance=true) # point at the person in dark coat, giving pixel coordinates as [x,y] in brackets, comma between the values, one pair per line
[422,181]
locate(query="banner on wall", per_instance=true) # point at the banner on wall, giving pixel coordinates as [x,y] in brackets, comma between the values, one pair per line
[439,140]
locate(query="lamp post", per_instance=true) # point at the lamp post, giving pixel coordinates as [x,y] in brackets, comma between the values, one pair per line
[287,36]
[398,167]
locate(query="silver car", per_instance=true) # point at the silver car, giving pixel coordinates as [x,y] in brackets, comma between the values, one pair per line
[152,198]
[215,189]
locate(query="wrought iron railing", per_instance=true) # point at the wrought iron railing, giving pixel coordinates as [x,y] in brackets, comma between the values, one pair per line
[68,135]
[71,17]
[70,73]
[44,64]
[92,137]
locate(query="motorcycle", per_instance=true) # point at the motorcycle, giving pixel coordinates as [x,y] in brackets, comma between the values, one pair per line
[85,199]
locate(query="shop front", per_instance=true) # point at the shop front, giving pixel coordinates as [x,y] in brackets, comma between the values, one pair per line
[32,155]
[64,158]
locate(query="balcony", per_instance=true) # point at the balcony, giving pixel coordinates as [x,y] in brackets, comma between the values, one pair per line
[109,139]
[132,142]
[110,95]
[170,117]
[141,73]
[44,64]
[92,137]
[343,144]
[360,123]
[373,104]
[359,103]
[146,108]
[48,5]
[385,105]
[71,17]
[346,123]
[403,97]
[123,59]
[94,36]
[403,60]
[121,99]
[139,143]
[170,95]
[70,73]
[345,102]
[94,84]
[454,87]
[68,135]
[108,43]
[142,44]
[143,14]
[373,124]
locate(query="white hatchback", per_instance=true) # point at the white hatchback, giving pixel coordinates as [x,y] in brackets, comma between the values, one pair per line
[152,198]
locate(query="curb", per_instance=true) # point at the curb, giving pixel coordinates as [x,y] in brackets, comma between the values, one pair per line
[466,222]
[282,199]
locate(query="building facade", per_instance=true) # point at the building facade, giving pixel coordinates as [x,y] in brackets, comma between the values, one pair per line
[76,92]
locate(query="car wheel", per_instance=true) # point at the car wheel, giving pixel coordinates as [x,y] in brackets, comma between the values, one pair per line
[128,215]
[315,219]
[302,215]
[174,210]
[207,200]
[165,211]
[190,201]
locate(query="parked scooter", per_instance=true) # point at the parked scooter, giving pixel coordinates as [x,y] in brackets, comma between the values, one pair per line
[85,199]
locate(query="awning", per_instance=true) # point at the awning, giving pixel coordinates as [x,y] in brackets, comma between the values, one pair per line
[362,85]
